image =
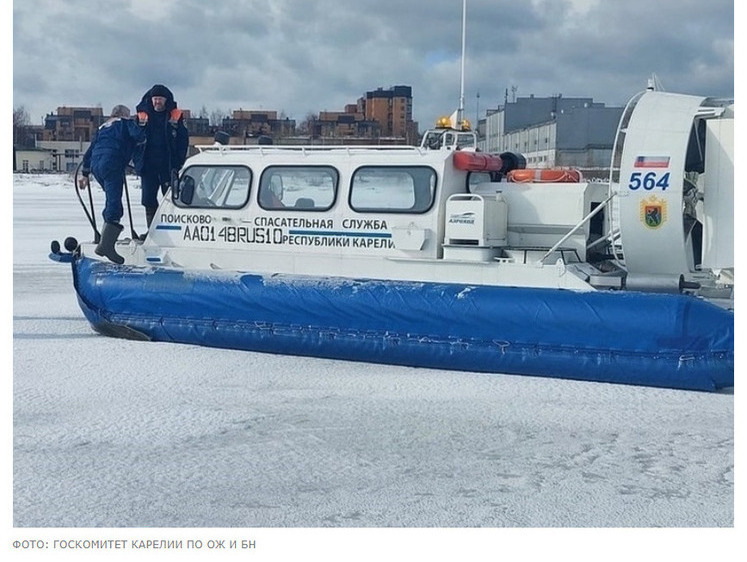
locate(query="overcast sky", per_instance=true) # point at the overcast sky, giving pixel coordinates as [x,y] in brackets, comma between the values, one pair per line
[299,56]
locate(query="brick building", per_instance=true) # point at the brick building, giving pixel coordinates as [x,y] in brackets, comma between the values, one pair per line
[382,116]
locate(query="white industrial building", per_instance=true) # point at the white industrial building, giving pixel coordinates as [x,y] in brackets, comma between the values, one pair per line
[554,132]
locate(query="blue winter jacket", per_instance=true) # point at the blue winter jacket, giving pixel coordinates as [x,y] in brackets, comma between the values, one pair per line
[113,146]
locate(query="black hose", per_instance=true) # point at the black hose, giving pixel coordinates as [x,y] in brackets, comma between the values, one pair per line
[90,215]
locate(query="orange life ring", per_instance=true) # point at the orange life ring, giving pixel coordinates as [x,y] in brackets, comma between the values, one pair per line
[471,161]
[545,175]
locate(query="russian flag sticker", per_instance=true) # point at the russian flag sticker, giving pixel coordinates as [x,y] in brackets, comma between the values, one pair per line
[651,162]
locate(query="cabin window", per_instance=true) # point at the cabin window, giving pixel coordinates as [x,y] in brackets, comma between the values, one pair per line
[432,139]
[393,189]
[225,187]
[298,188]
[465,140]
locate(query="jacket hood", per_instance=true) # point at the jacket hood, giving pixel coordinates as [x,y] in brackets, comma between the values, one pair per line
[157,90]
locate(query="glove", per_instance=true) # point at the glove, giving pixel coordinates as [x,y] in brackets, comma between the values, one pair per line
[83,182]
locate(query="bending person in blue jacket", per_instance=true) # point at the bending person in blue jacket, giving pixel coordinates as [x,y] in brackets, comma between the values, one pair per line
[107,157]
[166,146]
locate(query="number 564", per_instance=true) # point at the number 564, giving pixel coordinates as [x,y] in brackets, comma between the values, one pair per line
[648,181]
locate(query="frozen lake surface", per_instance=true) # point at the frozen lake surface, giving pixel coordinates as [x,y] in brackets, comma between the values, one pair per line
[116,433]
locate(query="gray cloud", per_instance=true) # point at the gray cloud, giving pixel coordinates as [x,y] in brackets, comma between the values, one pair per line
[300,56]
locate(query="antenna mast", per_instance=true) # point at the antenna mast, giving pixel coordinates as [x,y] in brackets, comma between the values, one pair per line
[460,113]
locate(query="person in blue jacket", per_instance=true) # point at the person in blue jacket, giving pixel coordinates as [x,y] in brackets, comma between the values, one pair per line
[165,149]
[107,157]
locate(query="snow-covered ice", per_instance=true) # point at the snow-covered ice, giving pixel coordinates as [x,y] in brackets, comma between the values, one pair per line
[115,433]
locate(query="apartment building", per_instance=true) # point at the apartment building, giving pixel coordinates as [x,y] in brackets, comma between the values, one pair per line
[392,109]
[245,124]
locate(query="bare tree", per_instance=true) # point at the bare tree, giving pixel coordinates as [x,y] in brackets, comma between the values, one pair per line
[306,127]
[21,121]
[217,116]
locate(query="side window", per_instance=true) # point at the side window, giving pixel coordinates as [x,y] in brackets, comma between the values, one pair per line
[224,187]
[465,140]
[298,188]
[393,189]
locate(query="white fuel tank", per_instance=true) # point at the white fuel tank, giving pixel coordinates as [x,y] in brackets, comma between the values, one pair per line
[478,220]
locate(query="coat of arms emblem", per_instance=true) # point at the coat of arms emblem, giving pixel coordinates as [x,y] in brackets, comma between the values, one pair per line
[653,212]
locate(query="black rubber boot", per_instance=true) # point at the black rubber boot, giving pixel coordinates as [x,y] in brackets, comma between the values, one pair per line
[149,216]
[109,236]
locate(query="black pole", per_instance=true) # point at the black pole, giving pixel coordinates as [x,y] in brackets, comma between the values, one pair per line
[129,209]
[91,216]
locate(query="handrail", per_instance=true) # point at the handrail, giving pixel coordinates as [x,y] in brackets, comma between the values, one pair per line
[611,237]
[265,149]
[583,221]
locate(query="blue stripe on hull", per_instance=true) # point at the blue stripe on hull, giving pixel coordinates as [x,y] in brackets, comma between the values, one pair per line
[672,341]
